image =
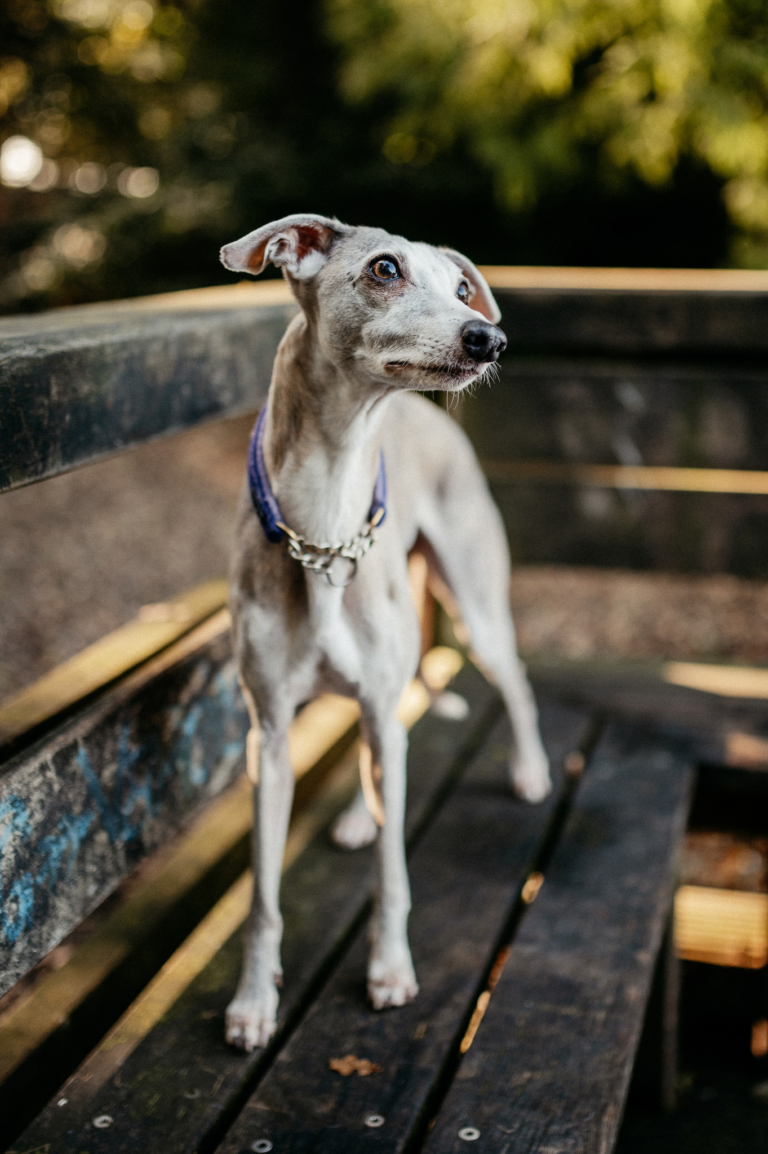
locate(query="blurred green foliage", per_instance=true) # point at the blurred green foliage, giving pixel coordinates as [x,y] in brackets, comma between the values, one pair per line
[542,89]
[552,131]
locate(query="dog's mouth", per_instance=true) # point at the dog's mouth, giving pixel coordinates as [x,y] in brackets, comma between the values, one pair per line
[456,372]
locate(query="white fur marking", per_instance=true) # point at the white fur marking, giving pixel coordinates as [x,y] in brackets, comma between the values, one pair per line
[369,775]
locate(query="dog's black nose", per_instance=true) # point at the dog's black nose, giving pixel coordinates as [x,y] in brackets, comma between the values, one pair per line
[482,342]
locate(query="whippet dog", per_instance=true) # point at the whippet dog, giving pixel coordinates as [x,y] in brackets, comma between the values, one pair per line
[347,468]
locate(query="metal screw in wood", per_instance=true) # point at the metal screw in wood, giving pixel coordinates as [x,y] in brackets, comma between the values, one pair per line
[469,1134]
[374,1121]
[261,1146]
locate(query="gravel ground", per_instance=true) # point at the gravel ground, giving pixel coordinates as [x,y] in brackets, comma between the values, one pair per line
[577,613]
[81,553]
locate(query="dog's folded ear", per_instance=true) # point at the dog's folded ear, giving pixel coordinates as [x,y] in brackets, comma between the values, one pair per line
[299,243]
[481,299]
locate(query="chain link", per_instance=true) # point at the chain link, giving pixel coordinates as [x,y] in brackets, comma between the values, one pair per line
[324,558]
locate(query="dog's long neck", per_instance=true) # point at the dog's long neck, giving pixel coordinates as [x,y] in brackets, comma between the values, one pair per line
[321,440]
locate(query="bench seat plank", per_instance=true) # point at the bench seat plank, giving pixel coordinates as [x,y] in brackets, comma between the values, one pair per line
[551,1061]
[175,1089]
[466,874]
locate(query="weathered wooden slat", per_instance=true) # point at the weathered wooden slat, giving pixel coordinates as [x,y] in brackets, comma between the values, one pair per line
[551,1061]
[81,807]
[722,927]
[616,516]
[466,874]
[81,383]
[581,525]
[181,1084]
[725,730]
[636,321]
[149,912]
[615,411]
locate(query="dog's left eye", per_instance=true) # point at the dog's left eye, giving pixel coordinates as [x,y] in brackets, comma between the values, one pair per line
[462,292]
[385,268]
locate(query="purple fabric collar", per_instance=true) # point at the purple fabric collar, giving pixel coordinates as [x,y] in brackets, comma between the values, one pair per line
[264,500]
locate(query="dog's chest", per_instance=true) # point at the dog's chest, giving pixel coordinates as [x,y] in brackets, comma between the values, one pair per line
[358,639]
[335,642]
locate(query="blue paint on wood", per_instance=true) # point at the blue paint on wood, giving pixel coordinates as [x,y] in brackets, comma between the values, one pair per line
[16,915]
[67,842]
[14,819]
[79,812]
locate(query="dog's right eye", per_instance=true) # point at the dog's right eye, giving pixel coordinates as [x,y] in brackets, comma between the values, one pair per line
[385,268]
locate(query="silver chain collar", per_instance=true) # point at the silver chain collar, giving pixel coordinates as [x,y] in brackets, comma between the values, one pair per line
[333,561]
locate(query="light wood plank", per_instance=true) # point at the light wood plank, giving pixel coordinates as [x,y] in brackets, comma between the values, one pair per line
[721,927]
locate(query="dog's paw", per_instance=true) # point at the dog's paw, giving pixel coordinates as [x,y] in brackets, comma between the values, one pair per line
[531,783]
[451,706]
[251,1023]
[354,828]
[393,985]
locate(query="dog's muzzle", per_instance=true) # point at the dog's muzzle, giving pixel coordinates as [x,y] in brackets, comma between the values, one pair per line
[482,342]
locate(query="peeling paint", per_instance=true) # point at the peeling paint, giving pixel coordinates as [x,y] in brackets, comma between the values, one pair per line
[83,807]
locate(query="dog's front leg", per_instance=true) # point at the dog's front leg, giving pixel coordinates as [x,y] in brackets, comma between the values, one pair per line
[251,1016]
[391,980]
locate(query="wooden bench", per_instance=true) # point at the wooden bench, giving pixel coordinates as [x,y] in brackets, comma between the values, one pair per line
[525,1031]
[575,983]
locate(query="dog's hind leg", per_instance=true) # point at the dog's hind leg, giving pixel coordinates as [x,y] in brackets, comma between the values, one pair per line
[355,826]
[251,1016]
[493,642]
[470,553]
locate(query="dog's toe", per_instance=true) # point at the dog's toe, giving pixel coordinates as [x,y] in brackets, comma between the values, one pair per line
[385,996]
[531,787]
[353,829]
[395,986]
[249,1025]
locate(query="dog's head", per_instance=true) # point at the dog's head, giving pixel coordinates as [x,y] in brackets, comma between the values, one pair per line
[404,314]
